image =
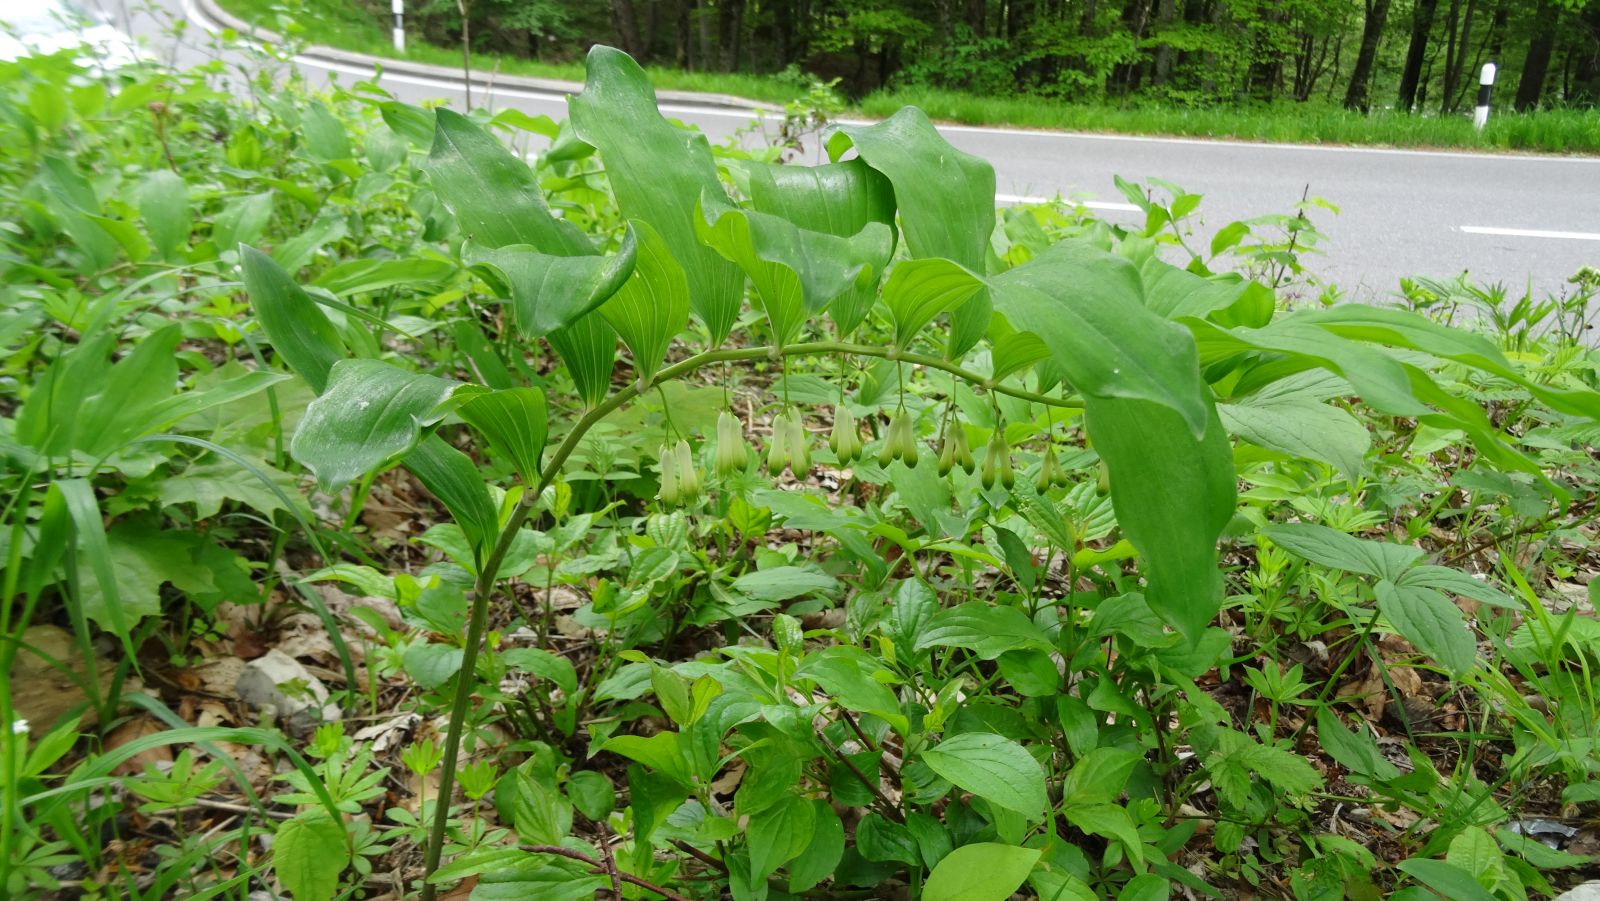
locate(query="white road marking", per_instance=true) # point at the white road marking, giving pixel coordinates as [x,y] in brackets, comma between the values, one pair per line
[1108,205]
[1530,233]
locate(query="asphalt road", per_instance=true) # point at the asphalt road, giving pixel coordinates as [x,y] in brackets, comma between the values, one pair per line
[1523,221]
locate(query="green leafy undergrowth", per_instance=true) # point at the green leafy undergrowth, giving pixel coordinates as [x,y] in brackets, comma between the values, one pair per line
[658,520]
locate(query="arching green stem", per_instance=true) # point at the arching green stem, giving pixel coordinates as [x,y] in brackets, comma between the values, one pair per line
[489,574]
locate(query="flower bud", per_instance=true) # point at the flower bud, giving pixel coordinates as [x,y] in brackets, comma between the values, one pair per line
[947,455]
[1102,484]
[799,445]
[778,446]
[731,451]
[903,440]
[688,475]
[669,476]
[997,461]
[845,439]
[1049,470]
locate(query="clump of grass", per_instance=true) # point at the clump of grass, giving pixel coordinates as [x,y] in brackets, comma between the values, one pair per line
[1555,131]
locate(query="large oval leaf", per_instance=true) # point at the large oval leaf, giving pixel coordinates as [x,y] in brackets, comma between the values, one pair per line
[493,194]
[986,871]
[657,173]
[548,291]
[992,767]
[371,413]
[652,305]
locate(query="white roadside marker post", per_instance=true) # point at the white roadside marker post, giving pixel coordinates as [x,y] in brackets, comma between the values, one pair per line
[398,7]
[1480,116]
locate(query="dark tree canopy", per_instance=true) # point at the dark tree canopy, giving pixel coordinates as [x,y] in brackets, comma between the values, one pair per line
[1410,54]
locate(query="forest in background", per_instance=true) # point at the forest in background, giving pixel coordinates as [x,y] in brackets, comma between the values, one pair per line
[1420,55]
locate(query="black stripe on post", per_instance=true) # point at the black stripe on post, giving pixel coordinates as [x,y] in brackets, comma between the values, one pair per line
[1483,94]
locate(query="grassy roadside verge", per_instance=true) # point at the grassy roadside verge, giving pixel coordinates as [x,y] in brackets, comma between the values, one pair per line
[341,25]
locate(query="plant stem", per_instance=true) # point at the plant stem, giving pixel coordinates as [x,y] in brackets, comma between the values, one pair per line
[464,684]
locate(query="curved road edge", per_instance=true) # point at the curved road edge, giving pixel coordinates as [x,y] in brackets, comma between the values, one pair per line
[212,17]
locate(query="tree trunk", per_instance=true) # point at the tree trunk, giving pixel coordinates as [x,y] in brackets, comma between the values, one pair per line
[1586,80]
[626,22]
[730,29]
[1371,35]
[1165,11]
[1536,65]
[1458,31]
[684,41]
[1411,74]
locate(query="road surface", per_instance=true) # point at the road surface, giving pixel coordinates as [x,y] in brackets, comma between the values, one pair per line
[1523,221]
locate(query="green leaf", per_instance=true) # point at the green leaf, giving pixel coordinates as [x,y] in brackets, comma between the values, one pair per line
[779,834]
[1404,329]
[540,814]
[1454,581]
[1356,751]
[1087,306]
[658,174]
[1430,621]
[549,291]
[1330,547]
[431,664]
[308,854]
[514,421]
[363,276]
[589,348]
[554,668]
[592,793]
[1474,850]
[652,305]
[918,291]
[298,329]
[796,272]
[847,675]
[242,221]
[371,413]
[946,199]
[837,199]
[781,583]
[324,133]
[299,249]
[493,194]
[1146,886]
[1300,424]
[662,752]
[105,607]
[822,854]
[985,630]
[1445,878]
[453,478]
[880,840]
[132,388]
[1110,821]
[207,484]
[1172,496]
[992,767]
[163,200]
[1099,776]
[986,871]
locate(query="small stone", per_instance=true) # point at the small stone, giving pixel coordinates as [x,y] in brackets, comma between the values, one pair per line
[1589,891]
[280,683]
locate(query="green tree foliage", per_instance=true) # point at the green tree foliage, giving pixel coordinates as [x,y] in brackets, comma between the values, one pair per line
[1406,54]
